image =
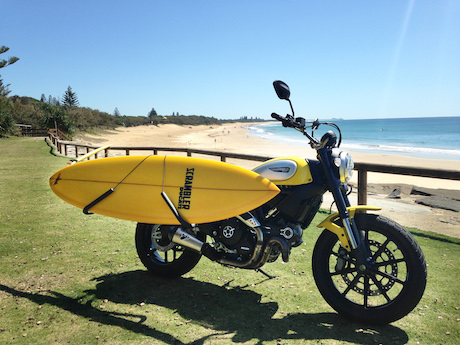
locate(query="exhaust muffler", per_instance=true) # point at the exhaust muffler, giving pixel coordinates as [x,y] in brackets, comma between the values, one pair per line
[187,240]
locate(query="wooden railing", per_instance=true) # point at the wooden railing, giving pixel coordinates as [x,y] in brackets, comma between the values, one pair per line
[362,168]
[30,132]
[60,134]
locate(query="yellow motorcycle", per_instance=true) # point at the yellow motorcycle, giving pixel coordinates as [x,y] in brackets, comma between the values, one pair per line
[367,267]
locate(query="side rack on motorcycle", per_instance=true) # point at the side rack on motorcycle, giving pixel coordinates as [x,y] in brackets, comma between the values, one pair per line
[367,267]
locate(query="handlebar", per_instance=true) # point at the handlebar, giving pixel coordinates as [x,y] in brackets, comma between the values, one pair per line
[277,117]
[290,121]
[299,124]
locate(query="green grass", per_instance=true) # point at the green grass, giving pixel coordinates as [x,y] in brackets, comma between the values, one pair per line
[68,278]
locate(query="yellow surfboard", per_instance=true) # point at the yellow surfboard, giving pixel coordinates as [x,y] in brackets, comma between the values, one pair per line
[130,188]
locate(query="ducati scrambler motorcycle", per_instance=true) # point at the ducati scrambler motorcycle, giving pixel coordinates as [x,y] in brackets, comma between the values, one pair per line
[367,267]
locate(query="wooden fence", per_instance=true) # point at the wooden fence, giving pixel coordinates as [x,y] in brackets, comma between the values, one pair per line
[60,134]
[31,132]
[69,148]
[364,168]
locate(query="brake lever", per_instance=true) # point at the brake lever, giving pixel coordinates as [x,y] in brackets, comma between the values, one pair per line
[315,125]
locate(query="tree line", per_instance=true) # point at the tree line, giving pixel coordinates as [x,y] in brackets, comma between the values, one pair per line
[66,113]
[51,112]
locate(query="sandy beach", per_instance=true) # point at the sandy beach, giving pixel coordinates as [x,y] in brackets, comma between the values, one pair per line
[236,139]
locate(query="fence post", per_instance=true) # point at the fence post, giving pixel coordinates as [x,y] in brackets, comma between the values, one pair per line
[127,152]
[76,151]
[223,158]
[106,153]
[362,186]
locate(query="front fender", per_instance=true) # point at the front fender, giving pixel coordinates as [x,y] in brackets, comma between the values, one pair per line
[330,223]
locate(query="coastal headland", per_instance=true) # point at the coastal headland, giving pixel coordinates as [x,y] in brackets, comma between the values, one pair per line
[389,191]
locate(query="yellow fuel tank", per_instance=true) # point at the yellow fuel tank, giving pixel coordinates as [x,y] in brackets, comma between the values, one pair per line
[286,171]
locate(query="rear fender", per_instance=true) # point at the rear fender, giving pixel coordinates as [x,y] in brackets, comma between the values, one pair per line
[330,223]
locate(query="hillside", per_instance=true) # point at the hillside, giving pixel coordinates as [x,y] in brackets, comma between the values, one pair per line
[45,114]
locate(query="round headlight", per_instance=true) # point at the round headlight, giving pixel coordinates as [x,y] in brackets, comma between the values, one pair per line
[346,167]
[344,163]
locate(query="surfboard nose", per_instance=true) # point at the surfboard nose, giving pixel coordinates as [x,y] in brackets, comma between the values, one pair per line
[273,187]
[268,185]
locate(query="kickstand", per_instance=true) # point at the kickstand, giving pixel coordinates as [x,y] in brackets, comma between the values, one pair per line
[265,273]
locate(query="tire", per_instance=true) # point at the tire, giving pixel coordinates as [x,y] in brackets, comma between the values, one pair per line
[162,257]
[387,288]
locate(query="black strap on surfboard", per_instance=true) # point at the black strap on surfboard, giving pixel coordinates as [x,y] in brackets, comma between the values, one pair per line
[173,209]
[111,190]
[168,201]
[98,200]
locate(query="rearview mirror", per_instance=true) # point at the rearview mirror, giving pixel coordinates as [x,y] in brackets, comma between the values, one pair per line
[282,90]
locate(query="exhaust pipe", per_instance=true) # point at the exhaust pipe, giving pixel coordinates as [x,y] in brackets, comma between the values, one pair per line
[185,239]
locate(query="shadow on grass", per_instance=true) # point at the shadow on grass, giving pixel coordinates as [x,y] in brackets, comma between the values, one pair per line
[223,309]
[435,237]
[52,148]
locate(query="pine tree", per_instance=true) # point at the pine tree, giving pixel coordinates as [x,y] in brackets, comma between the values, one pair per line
[11,60]
[4,91]
[70,98]
[151,114]
[6,119]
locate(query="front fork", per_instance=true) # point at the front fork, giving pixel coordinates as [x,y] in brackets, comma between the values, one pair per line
[348,233]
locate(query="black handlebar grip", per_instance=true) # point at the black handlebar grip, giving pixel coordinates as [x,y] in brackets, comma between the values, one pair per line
[277,117]
[283,120]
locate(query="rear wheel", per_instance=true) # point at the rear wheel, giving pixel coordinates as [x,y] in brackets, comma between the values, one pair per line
[160,255]
[386,287]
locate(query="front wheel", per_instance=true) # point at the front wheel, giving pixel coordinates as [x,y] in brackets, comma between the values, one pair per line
[385,288]
[160,255]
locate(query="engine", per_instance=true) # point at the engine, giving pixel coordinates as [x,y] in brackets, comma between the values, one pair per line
[236,241]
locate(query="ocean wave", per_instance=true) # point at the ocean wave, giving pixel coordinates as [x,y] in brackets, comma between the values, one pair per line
[279,138]
[296,138]
[408,150]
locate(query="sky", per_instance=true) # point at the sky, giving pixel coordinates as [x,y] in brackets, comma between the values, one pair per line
[342,59]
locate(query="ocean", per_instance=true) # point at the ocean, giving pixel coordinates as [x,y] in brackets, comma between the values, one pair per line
[429,137]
